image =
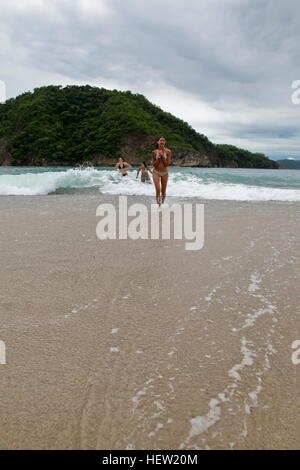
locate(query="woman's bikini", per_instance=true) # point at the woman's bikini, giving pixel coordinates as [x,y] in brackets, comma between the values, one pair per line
[122,167]
[144,175]
[161,173]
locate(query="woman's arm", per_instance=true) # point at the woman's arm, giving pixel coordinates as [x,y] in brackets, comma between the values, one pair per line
[127,165]
[166,161]
[138,172]
[155,161]
[169,157]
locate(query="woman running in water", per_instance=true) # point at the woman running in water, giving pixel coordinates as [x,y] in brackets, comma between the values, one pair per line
[161,159]
[122,166]
[145,178]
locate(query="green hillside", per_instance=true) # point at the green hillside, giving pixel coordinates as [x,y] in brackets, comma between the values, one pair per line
[244,158]
[57,125]
[289,164]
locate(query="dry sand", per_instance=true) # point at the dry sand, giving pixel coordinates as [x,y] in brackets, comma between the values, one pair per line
[141,344]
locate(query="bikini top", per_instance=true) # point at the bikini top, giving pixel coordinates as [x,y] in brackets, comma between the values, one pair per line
[158,155]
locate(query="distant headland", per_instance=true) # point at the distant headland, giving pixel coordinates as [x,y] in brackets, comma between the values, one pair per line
[289,164]
[65,126]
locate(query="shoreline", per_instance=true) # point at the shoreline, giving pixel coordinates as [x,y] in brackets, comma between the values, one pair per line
[112,165]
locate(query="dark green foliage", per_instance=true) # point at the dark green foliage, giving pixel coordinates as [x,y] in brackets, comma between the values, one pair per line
[63,126]
[243,158]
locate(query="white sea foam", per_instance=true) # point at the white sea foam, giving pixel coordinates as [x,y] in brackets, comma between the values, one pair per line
[255,281]
[137,397]
[201,424]
[246,361]
[190,186]
[182,184]
[32,184]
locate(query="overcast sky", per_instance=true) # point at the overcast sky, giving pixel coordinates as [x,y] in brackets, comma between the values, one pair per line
[224,66]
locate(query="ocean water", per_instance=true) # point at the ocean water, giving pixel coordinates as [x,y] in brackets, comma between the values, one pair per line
[202,183]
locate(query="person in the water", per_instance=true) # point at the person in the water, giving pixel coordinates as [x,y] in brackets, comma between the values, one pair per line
[144,169]
[122,166]
[161,159]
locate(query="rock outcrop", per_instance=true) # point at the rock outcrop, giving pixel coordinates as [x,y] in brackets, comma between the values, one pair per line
[182,156]
[136,147]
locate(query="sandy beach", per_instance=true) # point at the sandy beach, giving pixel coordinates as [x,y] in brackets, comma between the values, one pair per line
[142,344]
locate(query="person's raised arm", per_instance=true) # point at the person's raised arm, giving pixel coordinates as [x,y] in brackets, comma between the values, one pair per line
[167,161]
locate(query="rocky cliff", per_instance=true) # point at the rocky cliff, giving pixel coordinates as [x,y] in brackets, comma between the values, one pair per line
[137,147]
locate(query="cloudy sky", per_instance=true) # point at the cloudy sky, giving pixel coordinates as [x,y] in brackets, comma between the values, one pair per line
[224,66]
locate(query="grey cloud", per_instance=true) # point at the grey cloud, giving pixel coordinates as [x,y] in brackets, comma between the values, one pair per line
[239,51]
[264,130]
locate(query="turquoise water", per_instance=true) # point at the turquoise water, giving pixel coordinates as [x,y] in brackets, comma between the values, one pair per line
[207,183]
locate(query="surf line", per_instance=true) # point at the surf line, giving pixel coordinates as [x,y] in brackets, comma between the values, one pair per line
[115,223]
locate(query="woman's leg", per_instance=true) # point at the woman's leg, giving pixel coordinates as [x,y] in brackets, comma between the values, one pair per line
[164,182]
[156,180]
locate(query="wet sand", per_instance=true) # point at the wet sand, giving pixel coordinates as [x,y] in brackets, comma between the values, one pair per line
[142,344]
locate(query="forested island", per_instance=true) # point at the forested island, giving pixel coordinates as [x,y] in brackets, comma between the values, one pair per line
[289,164]
[66,126]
